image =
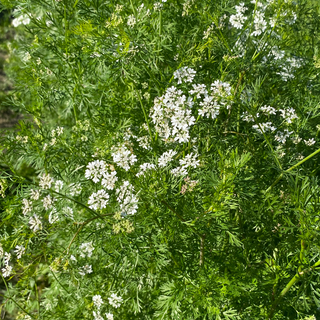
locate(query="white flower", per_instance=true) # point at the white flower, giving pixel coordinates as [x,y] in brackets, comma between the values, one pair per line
[184,74]
[241,8]
[123,157]
[85,270]
[7,257]
[98,200]
[199,89]
[35,194]
[95,170]
[47,202]
[248,117]
[144,142]
[268,110]
[260,24]
[172,116]
[109,316]
[264,127]
[131,21]
[282,136]
[309,142]
[59,131]
[109,180]
[73,258]
[190,160]
[97,315]
[179,171]
[127,199]
[237,20]
[26,57]
[23,19]
[220,89]
[58,185]
[277,54]
[75,189]
[68,212]
[35,223]
[27,206]
[157,6]
[210,108]
[86,249]
[144,167]
[166,157]
[296,140]
[115,301]
[6,271]
[45,181]
[53,216]
[288,114]
[97,301]
[19,251]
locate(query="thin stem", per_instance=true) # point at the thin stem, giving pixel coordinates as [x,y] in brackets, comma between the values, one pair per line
[295,278]
[5,282]
[293,167]
[80,228]
[62,285]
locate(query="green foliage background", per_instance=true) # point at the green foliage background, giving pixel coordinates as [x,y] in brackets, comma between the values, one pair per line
[244,243]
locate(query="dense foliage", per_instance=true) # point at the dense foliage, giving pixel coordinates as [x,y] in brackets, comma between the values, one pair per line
[168,166]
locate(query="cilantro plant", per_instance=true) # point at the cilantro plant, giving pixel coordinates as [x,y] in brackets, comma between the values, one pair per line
[168,163]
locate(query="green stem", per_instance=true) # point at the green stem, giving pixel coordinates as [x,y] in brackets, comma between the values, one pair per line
[5,282]
[80,228]
[289,285]
[293,167]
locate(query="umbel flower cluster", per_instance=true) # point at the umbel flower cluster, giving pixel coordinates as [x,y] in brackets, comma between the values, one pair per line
[167,166]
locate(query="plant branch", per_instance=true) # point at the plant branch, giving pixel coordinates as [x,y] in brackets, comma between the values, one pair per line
[295,278]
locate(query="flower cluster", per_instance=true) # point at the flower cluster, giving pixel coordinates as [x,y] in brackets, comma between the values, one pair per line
[260,24]
[86,269]
[23,19]
[172,112]
[6,271]
[184,74]
[188,186]
[144,167]
[27,206]
[189,160]
[98,200]
[95,170]
[98,302]
[19,251]
[172,116]
[47,202]
[123,157]
[127,199]
[115,301]
[86,249]
[109,180]
[45,181]
[237,20]
[35,223]
[166,157]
